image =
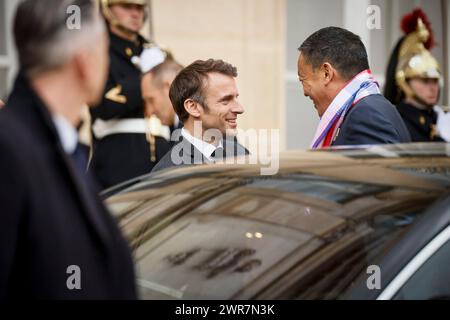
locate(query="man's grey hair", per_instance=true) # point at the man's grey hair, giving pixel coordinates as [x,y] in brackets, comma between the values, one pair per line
[42,35]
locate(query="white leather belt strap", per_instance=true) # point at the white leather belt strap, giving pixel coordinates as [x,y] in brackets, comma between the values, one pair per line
[103,128]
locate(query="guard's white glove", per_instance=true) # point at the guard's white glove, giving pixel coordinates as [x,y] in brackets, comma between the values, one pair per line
[443,123]
[149,58]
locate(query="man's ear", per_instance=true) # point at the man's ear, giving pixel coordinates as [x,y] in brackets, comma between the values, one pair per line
[329,73]
[81,66]
[193,108]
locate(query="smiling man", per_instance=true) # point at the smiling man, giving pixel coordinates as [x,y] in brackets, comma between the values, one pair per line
[334,71]
[205,98]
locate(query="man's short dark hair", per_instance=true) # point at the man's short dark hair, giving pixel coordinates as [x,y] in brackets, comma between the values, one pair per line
[42,36]
[341,48]
[192,81]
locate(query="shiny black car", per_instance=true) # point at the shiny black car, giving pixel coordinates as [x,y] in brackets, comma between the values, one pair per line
[351,223]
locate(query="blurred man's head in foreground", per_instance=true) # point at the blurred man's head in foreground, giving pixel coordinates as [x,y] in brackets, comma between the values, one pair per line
[49,43]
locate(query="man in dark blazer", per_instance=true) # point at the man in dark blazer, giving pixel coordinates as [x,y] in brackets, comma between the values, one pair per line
[57,240]
[205,98]
[334,70]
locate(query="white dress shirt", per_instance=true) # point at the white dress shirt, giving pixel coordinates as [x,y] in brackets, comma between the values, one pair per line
[68,135]
[204,147]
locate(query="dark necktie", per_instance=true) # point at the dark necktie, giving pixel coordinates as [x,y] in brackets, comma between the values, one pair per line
[80,158]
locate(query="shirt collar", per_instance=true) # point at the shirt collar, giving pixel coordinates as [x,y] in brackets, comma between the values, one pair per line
[67,133]
[204,147]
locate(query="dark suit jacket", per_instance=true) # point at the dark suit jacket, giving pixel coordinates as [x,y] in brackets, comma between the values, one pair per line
[184,153]
[50,215]
[420,123]
[373,120]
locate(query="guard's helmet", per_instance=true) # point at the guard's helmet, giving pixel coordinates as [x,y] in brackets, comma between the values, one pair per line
[412,58]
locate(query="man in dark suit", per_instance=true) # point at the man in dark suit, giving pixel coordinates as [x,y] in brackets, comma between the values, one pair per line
[334,71]
[205,98]
[57,240]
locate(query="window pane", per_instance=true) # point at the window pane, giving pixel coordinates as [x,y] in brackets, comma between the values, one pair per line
[337,191]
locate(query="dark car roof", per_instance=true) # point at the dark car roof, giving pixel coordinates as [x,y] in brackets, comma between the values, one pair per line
[317,205]
[386,154]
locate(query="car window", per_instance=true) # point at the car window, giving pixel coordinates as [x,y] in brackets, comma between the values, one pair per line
[288,236]
[337,191]
[431,280]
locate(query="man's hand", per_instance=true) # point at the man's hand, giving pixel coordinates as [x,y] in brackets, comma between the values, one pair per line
[1,104]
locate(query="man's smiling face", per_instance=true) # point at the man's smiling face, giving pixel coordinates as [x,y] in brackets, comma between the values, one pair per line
[223,107]
[312,83]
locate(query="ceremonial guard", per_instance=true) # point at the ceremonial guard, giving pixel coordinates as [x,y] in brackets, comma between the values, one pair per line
[126,142]
[414,81]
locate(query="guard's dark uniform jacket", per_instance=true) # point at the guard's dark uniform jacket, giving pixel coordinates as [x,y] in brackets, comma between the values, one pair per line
[420,123]
[120,157]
